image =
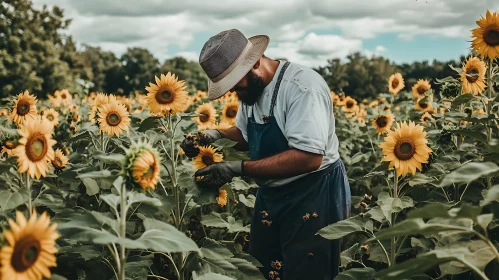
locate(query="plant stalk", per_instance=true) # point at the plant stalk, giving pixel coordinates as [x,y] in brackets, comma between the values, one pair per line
[490,84]
[393,251]
[28,186]
[123,210]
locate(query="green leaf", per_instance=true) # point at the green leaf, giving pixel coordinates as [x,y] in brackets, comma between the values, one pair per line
[344,227]
[223,220]
[118,158]
[479,255]
[136,197]
[106,220]
[348,255]
[420,179]
[85,135]
[446,80]
[462,99]
[413,227]
[211,276]
[112,200]
[376,254]
[477,135]
[365,273]
[7,130]
[437,210]
[239,184]
[423,262]
[224,143]
[469,172]
[150,122]
[490,195]
[248,201]
[10,200]
[458,70]
[484,220]
[91,185]
[162,237]
[376,213]
[95,174]
[246,270]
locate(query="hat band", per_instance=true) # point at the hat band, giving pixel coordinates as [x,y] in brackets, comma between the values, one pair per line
[236,62]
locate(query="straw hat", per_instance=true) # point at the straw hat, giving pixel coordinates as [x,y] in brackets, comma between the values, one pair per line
[227,57]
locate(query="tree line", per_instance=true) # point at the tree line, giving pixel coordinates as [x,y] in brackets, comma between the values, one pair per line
[37,56]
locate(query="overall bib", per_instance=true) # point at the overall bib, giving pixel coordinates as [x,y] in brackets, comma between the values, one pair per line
[286,218]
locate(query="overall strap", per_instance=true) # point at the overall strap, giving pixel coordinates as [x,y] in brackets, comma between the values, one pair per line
[276,87]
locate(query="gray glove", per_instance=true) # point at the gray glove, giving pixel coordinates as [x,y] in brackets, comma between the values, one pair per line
[220,173]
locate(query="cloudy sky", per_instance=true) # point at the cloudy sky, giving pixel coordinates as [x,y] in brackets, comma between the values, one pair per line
[304,31]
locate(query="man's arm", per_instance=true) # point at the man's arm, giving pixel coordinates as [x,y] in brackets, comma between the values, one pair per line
[235,134]
[287,164]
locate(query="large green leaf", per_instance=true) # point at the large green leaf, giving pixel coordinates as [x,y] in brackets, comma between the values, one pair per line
[249,201]
[162,237]
[420,179]
[224,143]
[480,254]
[223,220]
[137,197]
[462,99]
[211,276]
[490,195]
[366,273]
[423,262]
[345,227]
[241,185]
[95,174]
[150,122]
[348,255]
[437,210]
[10,200]
[469,172]
[118,158]
[112,200]
[414,227]
[477,135]
[91,186]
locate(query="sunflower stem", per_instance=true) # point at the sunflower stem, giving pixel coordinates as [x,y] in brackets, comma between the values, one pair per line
[490,85]
[28,186]
[393,251]
[123,210]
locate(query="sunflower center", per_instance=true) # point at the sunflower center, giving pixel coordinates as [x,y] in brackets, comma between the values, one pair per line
[231,112]
[349,104]
[405,149]
[381,122]
[491,37]
[23,107]
[50,117]
[421,90]
[395,83]
[164,97]
[205,116]
[63,96]
[113,119]
[36,147]
[26,252]
[208,160]
[473,71]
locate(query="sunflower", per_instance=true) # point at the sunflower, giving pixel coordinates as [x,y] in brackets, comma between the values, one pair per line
[201,94]
[8,148]
[396,83]
[91,114]
[76,117]
[146,169]
[51,115]
[100,99]
[406,148]
[34,151]
[426,117]
[31,248]
[230,96]
[349,104]
[423,105]
[209,115]
[60,161]
[374,104]
[223,125]
[55,100]
[207,156]
[383,123]
[229,112]
[4,112]
[486,36]
[66,98]
[113,118]
[24,108]
[420,88]
[473,76]
[167,95]
[222,198]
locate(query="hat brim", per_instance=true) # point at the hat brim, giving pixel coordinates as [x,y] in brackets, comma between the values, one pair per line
[220,88]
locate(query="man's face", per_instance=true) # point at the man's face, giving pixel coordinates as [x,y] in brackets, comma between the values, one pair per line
[250,88]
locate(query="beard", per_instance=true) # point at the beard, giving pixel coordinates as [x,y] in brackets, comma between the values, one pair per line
[252,93]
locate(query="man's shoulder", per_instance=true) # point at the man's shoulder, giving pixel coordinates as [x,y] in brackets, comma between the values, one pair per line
[306,79]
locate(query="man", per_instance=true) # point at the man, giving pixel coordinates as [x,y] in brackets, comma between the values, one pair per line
[286,121]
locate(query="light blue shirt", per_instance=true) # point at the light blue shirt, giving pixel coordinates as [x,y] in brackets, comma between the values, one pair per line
[304,113]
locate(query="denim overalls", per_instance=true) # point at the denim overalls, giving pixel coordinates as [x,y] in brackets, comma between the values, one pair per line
[286,218]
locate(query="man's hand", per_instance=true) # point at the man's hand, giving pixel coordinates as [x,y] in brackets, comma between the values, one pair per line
[220,173]
[191,143]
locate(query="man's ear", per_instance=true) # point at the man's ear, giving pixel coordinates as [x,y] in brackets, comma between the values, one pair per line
[257,64]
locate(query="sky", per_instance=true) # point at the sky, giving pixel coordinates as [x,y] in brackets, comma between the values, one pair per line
[308,32]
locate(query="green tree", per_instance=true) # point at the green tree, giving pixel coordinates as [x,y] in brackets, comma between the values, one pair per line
[139,68]
[190,71]
[106,71]
[31,49]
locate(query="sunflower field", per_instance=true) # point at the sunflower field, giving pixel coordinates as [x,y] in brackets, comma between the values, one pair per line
[96,186]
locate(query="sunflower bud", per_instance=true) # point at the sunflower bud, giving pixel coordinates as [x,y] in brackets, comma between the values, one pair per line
[362,214]
[363,204]
[368,197]
[10,145]
[364,247]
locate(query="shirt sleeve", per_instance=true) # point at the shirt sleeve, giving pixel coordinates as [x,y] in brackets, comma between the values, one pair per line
[308,121]
[242,120]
